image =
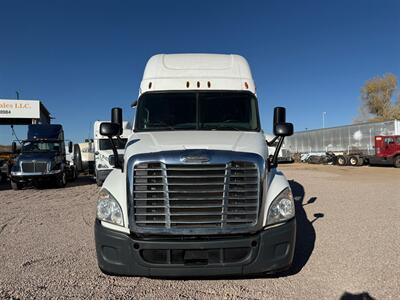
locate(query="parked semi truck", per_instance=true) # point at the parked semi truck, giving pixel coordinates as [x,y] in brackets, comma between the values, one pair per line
[387,152]
[104,157]
[386,148]
[42,158]
[196,193]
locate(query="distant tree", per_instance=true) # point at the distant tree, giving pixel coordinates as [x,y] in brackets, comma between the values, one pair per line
[377,100]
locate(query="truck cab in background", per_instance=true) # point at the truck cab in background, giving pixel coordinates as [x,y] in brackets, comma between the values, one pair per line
[42,158]
[104,157]
[387,151]
[197,193]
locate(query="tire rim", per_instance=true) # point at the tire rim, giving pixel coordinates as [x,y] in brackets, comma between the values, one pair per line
[341,161]
[353,161]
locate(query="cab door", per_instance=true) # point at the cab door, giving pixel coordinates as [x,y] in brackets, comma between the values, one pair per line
[389,146]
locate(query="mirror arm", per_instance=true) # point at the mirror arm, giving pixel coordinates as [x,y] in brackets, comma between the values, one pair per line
[271,142]
[114,149]
[273,162]
[119,140]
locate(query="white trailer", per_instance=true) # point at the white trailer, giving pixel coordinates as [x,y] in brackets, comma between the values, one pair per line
[342,139]
[103,154]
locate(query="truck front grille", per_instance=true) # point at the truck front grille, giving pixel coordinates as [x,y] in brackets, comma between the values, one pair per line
[195,196]
[34,167]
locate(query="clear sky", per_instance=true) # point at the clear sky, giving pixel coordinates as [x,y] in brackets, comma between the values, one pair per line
[83,57]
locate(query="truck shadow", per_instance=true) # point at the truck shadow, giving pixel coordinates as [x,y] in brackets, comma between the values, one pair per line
[305,237]
[361,296]
[5,185]
[82,180]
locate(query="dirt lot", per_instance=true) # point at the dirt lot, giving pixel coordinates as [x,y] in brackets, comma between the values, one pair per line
[348,244]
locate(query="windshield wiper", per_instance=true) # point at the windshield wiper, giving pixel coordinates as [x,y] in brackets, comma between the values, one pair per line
[158,125]
[222,127]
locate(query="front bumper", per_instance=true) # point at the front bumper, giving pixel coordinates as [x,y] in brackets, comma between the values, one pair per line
[21,177]
[267,251]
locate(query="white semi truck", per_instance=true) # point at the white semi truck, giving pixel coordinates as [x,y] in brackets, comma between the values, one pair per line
[103,153]
[196,193]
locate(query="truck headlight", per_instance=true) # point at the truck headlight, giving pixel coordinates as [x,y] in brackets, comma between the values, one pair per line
[15,167]
[282,208]
[108,209]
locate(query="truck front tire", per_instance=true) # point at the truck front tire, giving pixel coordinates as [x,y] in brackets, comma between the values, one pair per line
[16,185]
[396,161]
[99,182]
[62,180]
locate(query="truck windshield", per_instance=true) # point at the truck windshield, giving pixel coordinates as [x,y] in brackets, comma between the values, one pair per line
[105,144]
[197,111]
[40,146]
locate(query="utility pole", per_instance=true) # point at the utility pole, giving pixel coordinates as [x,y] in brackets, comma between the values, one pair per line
[323,119]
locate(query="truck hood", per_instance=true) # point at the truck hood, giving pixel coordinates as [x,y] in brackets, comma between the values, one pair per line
[110,152]
[239,141]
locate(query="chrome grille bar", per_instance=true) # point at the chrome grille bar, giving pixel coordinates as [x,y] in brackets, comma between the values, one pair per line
[172,197]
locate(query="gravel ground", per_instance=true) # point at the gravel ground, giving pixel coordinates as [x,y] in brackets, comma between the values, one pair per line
[347,247]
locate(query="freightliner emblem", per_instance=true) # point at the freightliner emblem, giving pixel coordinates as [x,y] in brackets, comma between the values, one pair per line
[195,159]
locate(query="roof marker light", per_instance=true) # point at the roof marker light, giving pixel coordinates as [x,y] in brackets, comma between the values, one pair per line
[187,84]
[208,84]
[198,84]
[246,85]
[150,84]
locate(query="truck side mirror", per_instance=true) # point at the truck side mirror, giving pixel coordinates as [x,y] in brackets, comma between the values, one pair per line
[281,128]
[279,115]
[116,118]
[14,147]
[109,129]
[70,147]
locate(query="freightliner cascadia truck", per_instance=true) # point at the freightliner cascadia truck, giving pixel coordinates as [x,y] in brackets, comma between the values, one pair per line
[196,193]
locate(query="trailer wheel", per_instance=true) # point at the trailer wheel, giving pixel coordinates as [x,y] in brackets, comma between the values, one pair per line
[16,185]
[77,157]
[354,160]
[396,161]
[341,160]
